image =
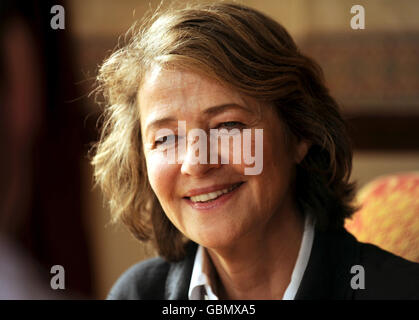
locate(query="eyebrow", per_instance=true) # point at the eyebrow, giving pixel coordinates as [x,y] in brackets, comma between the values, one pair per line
[211,111]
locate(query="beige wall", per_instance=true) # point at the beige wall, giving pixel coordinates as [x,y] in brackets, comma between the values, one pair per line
[370,165]
[113,248]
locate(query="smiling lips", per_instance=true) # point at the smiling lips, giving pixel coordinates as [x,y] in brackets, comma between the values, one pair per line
[198,196]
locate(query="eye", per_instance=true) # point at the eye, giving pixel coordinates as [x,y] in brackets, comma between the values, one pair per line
[165,139]
[230,125]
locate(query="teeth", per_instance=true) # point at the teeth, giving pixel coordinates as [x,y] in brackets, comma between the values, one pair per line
[212,195]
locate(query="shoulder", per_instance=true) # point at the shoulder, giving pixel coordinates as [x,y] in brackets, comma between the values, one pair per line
[156,279]
[387,276]
[330,273]
[144,280]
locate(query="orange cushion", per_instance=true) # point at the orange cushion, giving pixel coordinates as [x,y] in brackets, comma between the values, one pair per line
[389,216]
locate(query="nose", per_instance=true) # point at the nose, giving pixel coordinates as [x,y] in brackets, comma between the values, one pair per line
[196,160]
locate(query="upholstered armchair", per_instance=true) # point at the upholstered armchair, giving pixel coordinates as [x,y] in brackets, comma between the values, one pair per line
[389,214]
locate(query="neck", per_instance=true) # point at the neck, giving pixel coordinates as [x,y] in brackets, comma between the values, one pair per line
[260,265]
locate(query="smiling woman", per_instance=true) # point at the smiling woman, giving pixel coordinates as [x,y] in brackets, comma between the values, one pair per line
[222,233]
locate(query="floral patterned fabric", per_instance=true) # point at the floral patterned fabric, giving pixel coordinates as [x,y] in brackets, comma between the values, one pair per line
[389,216]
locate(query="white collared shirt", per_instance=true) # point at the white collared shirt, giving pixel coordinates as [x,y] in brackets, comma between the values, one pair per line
[200,287]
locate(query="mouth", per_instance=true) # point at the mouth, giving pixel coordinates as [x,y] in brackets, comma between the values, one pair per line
[214,198]
[211,196]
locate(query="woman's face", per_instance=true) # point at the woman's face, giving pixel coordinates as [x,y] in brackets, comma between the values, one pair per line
[244,205]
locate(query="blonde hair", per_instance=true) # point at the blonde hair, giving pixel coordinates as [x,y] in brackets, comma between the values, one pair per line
[256,56]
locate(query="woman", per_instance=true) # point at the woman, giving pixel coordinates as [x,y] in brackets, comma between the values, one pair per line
[221,232]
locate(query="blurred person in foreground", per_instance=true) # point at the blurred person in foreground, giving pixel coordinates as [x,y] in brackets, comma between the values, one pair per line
[38,138]
[222,233]
[21,277]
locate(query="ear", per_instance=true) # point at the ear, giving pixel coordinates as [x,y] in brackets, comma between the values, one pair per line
[301,150]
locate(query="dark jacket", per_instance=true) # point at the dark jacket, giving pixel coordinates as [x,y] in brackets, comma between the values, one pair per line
[327,276]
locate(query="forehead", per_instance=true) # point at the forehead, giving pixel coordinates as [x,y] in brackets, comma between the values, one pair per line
[181,91]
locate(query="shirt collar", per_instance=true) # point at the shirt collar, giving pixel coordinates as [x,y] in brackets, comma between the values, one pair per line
[201,279]
[302,259]
[202,283]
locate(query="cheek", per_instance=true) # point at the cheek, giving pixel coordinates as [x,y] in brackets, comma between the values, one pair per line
[161,176]
[275,179]
[245,153]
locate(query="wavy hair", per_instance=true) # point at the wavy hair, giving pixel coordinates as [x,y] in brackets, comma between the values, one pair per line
[254,55]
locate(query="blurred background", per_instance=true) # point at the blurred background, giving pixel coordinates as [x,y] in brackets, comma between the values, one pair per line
[50,215]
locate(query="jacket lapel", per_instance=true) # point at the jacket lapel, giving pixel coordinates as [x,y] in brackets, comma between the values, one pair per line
[328,271]
[179,276]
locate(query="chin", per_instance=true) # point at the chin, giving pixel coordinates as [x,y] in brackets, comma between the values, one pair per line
[216,237]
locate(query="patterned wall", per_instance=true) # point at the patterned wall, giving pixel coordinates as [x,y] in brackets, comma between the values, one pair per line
[370,72]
